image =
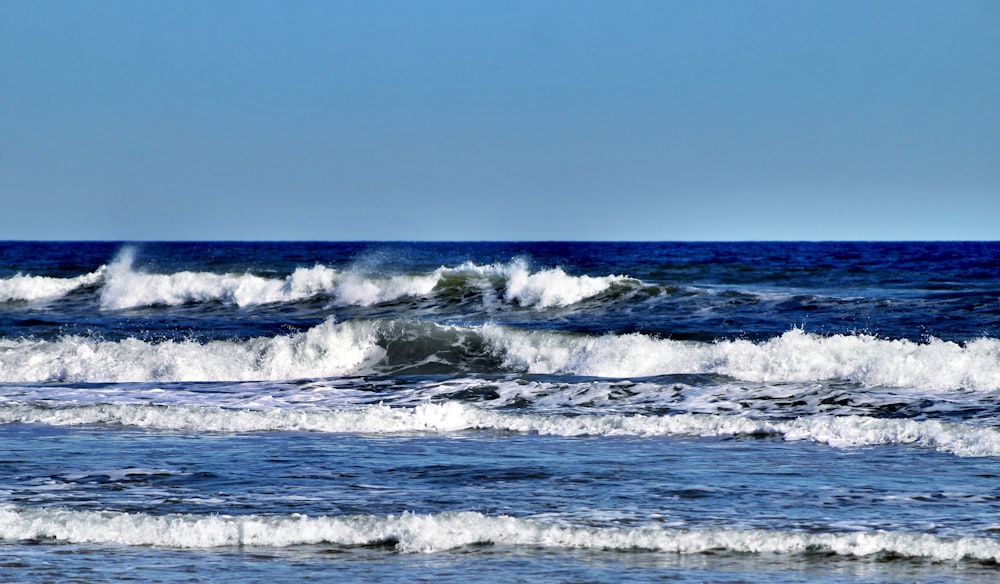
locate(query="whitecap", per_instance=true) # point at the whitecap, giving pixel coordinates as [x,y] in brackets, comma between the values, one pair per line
[448,417]
[23,287]
[126,287]
[326,350]
[430,533]
[795,356]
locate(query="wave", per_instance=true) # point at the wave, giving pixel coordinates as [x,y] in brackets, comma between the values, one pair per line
[447,417]
[428,533]
[554,287]
[391,347]
[795,356]
[125,287]
[327,350]
[122,286]
[32,288]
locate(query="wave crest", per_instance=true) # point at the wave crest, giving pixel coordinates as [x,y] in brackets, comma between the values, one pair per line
[835,431]
[795,356]
[392,347]
[31,288]
[327,350]
[124,287]
[417,533]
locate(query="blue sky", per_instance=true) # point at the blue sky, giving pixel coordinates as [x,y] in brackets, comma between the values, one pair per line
[507,120]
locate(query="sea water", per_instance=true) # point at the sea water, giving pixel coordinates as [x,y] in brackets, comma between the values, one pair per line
[496,412]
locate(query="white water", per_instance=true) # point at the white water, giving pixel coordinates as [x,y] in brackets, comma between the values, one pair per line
[353,347]
[795,356]
[553,287]
[32,288]
[446,531]
[123,286]
[327,350]
[447,417]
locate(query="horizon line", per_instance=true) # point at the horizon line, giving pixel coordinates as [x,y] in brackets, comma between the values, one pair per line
[195,240]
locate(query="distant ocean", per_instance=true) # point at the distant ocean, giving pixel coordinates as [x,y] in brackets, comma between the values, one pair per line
[500,412]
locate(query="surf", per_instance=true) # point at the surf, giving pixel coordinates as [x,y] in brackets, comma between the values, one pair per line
[125,286]
[850,431]
[439,532]
[398,347]
[23,287]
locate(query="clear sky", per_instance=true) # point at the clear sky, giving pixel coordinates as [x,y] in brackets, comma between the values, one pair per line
[500,120]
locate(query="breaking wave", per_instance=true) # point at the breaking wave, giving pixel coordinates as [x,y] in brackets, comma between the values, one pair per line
[326,350]
[416,533]
[125,287]
[122,286]
[794,356]
[387,347]
[835,431]
[31,288]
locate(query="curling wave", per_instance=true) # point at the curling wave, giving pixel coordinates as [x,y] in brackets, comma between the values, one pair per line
[125,287]
[399,346]
[326,350]
[32,288]
[514,283]
[122,286]
[415,533]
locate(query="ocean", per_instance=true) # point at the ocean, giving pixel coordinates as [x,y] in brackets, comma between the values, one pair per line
[499,412]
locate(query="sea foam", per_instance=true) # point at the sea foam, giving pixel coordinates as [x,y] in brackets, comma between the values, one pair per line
[326,350]
[418,533]
[794,356]
[125,287]
[447,417]
[553,287]
[358,347]
[31,288]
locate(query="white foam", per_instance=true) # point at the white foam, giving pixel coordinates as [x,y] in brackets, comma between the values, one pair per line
[795,356]
[447,417]
[31,288]
[553,287]
[327,350]
[416,533]
[126,287]
[333,349]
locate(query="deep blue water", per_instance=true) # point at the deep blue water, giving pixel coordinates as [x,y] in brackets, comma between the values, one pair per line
[499,411]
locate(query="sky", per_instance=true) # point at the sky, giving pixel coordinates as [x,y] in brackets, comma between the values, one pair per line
[652,120]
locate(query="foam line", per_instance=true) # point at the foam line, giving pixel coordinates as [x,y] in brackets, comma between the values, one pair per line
[126,287]
[794,356]
[835,431]
[356,347]
[415,533]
